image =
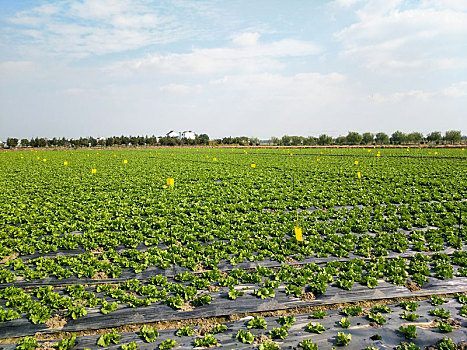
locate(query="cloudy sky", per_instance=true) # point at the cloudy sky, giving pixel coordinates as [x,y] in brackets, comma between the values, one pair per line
[231,67]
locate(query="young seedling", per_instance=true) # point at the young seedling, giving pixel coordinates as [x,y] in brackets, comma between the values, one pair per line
[315,328]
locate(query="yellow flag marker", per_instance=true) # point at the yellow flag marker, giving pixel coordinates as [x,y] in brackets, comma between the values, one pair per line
[93,171]
[356,162]
[170,181]
[214,159]
[298,234]
[125,161]
[359,175]
[253,165]
[65,163]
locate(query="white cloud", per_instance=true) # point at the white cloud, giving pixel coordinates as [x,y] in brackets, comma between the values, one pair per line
[388,38]
[181,89]
[250,58]
[82,28]
[246,39]
[456,90]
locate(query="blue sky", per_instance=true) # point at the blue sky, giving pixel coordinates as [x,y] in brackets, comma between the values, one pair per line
[256,68]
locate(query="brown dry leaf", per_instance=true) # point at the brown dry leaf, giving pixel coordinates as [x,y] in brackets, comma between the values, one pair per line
[56,322]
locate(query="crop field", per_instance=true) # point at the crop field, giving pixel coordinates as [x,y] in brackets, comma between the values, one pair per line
[196,248]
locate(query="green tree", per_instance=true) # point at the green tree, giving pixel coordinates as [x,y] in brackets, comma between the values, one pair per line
[368,138]
[341,140]
[275,141]
[285,140]
[296,140]
[435,137]
[203,139]
[398,138]
[324,140]
[415,137]
[381,138]
[12,142]
[453,136]
[353,138]
[24,142]
[309,141]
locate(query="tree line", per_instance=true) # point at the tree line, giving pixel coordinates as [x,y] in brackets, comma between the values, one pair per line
[202,139]
[367,138]
[352,138]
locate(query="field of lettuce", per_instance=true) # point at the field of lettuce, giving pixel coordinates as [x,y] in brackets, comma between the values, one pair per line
[195,248]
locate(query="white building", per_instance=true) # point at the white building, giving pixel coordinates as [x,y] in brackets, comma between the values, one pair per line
[172,133]
[190,135]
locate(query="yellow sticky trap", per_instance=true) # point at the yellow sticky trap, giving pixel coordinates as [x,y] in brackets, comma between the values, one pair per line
[207,156]
[115,155]
[253,165]
[291,154]
[356,162]
[170,181]
[436,153]
[125,161]
[369,150]
[93,171]
[171,154]
[214,159]
[318,159]
[298,234]
[22,157]
[65,163]
[359,175]
[38,158]
[44,160]
[429,152]
[378,154]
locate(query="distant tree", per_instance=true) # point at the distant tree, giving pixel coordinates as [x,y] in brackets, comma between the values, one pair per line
[253,141]
[309,141]
[275,141]
[101,142]
[415,137]
[12,142]
[296,140]
[368,138]
[286,140]
[93,141]
[42,142]
[341,140]
[381,138]
[453,136]
[24,142]
[398,138]
[353,138]
[324,140]
[435,137]
[203,139]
